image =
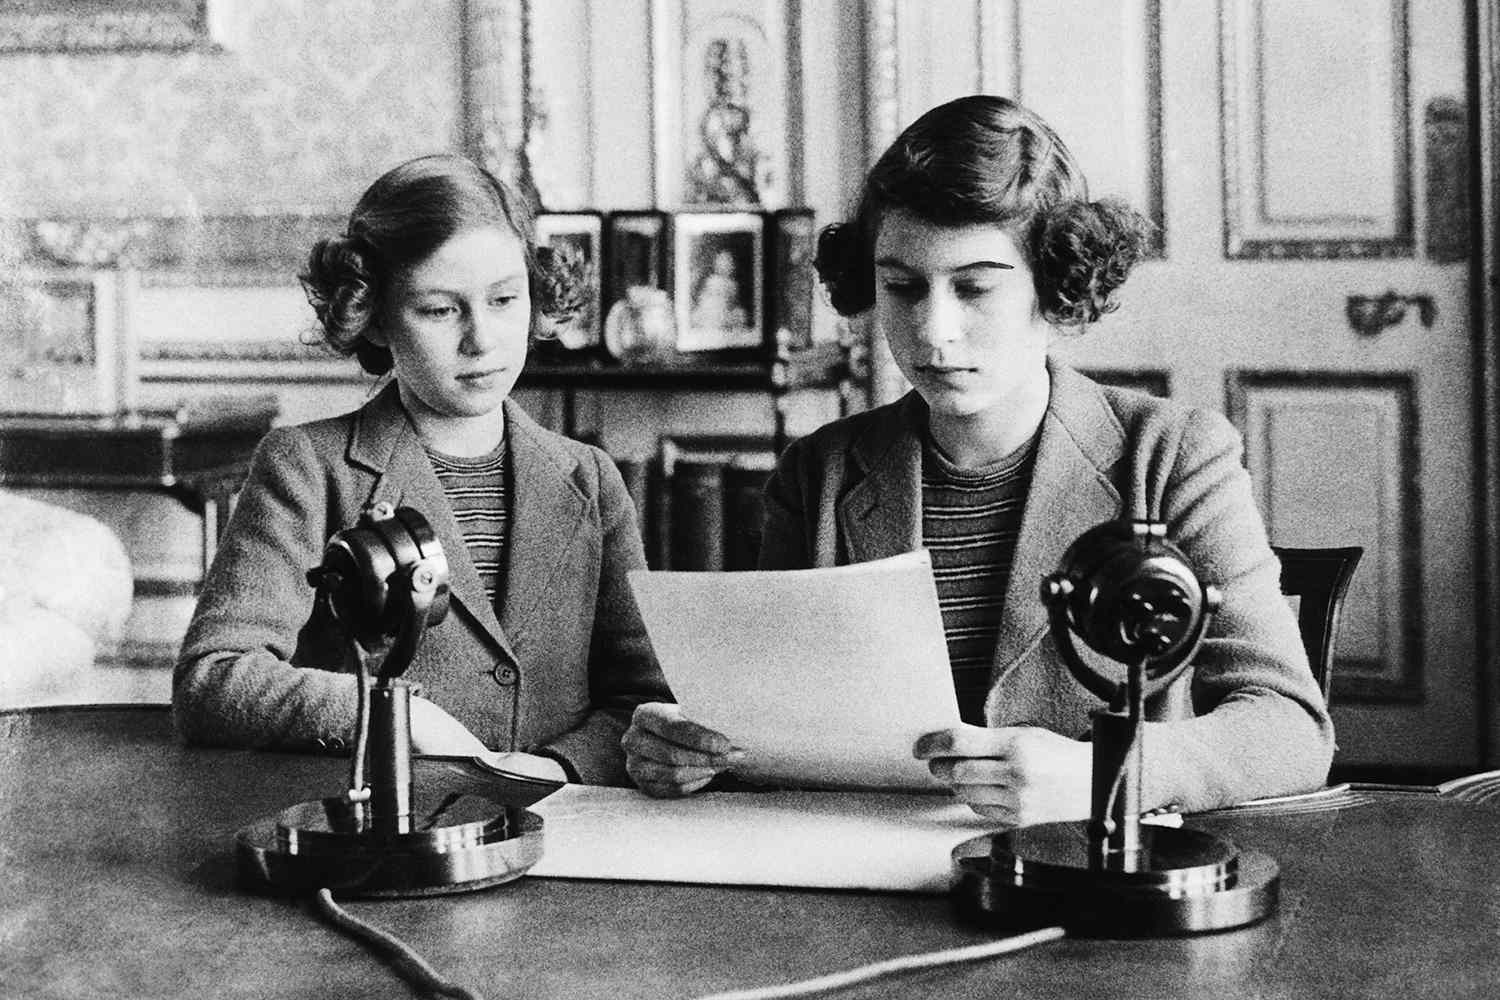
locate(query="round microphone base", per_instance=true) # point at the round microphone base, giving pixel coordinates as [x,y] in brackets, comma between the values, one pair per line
[1184,882]
[455,843]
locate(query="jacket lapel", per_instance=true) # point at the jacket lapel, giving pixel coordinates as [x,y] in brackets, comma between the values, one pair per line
[881,514]
[547,511]
[1071,491]
[384,442]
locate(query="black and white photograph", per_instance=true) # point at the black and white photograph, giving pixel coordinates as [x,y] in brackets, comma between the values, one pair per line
[719,268]
[733,499]
[581,235]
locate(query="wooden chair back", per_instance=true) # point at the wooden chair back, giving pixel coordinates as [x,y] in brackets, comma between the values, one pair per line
[1318,578]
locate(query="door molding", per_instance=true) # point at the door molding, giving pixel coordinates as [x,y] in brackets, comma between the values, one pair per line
[1484,131]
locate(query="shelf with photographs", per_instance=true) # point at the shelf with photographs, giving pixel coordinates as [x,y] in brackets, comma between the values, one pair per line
[690,301]
[679,289]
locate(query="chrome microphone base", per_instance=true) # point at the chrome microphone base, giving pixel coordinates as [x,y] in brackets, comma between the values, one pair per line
[1185,882]
[454,843]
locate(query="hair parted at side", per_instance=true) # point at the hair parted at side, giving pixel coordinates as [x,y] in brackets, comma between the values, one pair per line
[398,222]
[988,160]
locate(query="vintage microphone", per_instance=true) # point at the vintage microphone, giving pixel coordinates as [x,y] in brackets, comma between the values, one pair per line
[1130,595]
[384,582]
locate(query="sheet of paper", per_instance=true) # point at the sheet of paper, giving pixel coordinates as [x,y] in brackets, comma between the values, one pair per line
[885,842]
[824,840]
[825,676]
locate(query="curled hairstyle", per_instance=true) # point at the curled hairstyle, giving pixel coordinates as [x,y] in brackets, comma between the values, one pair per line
[400,221]
[988,160]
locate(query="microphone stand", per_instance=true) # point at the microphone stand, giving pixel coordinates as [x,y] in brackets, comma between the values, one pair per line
[1132,597]
[384,582]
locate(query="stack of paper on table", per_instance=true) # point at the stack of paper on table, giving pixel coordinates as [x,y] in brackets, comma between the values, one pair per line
[826,677]
[823,840]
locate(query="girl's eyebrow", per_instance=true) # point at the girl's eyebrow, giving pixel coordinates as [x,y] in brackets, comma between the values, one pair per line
[972,265]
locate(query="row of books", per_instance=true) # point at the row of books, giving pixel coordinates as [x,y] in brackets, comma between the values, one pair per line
[700,506]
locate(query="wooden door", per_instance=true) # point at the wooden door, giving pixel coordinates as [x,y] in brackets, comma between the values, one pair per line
[1306,163]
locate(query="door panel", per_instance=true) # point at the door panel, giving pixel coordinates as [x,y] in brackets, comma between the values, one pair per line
[1359,433]
[1286,148]
[1316,158]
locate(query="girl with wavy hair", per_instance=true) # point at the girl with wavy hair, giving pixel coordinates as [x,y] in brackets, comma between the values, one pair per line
[974,245]
[438,283]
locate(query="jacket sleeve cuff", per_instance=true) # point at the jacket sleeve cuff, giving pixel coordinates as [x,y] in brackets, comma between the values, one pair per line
[571,771]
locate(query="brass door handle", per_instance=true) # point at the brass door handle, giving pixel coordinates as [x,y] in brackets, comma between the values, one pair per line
[1370,314]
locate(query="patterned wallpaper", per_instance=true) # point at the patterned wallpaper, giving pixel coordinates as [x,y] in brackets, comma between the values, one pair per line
[302,105]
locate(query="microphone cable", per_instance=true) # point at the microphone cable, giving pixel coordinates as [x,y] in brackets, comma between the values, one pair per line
[411,967]
[890,967]
[408,964]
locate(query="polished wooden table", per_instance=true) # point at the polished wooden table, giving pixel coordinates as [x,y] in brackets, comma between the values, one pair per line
[116,850]
[199,458]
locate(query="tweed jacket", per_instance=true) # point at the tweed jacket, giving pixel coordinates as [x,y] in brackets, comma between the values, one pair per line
[1246,720]
[559,671]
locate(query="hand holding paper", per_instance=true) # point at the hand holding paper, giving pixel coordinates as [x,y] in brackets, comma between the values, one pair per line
[669,756]
[824,677]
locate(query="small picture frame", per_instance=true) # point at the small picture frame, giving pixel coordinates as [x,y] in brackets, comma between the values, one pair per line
[583,231]
[793,239]
[75,352]
[638,313]
[719,280]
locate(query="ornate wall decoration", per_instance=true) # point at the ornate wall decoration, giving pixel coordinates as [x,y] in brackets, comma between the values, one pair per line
[1446,122]
[721,95]
[496,78]
[123,25]
[223,165]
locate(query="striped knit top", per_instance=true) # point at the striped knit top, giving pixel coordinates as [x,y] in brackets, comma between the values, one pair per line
[971,519]
[477,491]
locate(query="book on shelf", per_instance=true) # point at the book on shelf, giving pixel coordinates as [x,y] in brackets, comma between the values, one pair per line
[699,501]
[658,514]
[636,473]
[744,513]
[697,514]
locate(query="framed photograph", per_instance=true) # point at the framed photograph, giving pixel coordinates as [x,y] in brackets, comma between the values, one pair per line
[67,343]
[793,244]
[638,315]
[583,232]
[719,280]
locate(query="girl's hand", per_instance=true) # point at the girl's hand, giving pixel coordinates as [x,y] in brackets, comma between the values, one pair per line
[669,756]
[1019,774]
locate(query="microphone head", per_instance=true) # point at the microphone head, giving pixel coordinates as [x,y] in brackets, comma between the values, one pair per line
[1130,594]
[377,572]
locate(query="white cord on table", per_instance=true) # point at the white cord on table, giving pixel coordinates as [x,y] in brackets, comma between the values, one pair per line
[408,964]
[906,963]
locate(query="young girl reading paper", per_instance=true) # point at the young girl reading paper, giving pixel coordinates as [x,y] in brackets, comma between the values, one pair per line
[975,243]
[439,283]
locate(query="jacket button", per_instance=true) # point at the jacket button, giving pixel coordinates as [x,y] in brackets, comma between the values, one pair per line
[505,675]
